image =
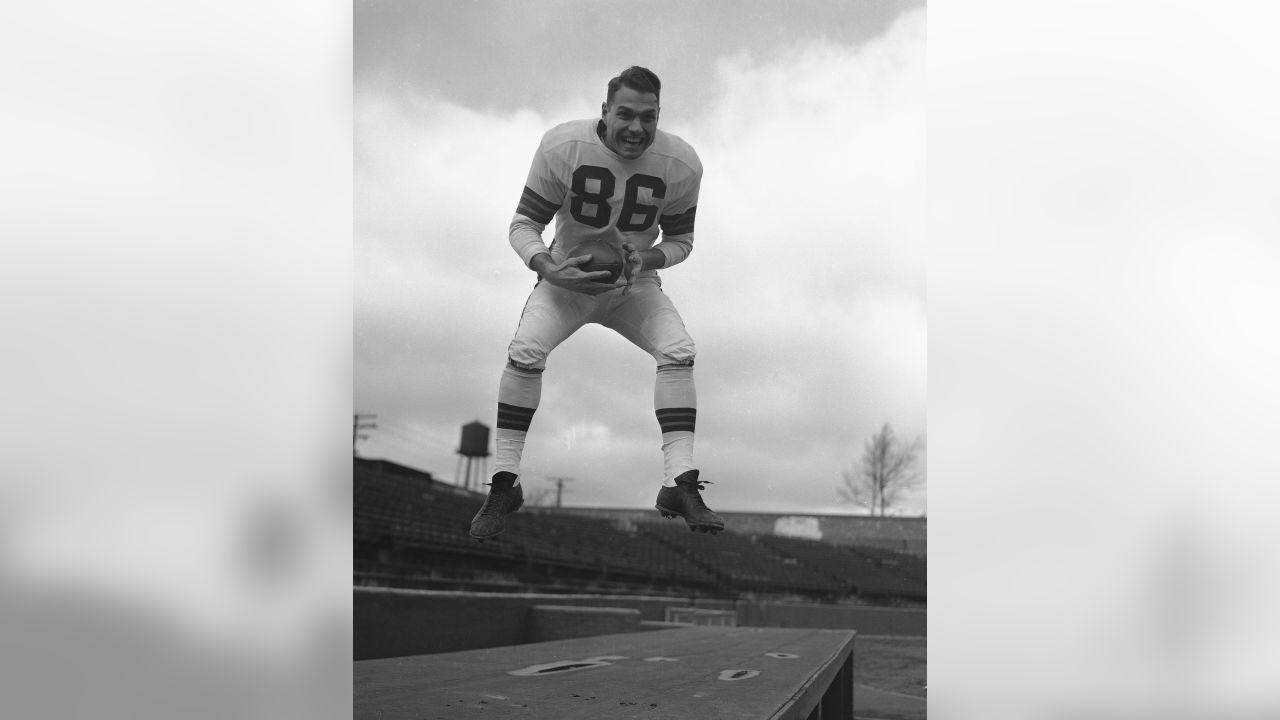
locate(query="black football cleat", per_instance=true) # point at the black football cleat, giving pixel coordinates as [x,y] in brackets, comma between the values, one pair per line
[505,497]
[685,500]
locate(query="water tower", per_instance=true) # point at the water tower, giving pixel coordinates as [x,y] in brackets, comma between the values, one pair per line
[474,449]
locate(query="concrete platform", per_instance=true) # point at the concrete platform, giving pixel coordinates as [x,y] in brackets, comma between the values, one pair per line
[698,673]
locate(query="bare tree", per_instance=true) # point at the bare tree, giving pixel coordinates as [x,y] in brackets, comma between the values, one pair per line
[887,467]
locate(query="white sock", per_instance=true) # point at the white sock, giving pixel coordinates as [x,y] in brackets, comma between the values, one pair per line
[677,456]
[518,395]
[675,402]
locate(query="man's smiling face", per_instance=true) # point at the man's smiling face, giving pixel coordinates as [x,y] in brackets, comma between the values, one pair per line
[630,122]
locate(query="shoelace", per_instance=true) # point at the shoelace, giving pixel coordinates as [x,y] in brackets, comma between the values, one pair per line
[696,487]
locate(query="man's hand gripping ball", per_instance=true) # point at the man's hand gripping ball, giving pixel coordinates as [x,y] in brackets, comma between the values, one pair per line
[595,267]
[633,263]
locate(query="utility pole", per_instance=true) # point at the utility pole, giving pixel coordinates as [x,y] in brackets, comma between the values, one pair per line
[560,481]
[358,424]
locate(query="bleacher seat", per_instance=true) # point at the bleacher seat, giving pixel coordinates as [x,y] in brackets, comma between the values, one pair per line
[411,531]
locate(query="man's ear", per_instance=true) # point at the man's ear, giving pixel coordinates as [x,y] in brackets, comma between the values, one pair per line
[604,109]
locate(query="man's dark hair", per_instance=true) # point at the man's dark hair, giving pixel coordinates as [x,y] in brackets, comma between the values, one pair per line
[638,79]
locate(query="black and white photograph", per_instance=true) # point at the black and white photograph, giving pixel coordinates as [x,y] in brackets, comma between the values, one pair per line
[640,339]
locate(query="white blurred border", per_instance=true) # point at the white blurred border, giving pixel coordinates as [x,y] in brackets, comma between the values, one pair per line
[1102,305]
[175,512]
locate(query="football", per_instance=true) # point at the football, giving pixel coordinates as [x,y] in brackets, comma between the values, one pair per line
[604,256]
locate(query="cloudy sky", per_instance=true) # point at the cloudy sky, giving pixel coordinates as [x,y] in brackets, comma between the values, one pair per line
[806,288]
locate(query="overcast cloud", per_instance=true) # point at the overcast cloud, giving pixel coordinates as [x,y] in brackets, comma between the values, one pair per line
[805,291]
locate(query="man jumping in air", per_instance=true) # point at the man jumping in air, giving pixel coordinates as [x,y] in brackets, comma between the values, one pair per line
[621,180]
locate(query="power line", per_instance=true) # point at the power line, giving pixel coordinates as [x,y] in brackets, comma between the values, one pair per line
[416,435]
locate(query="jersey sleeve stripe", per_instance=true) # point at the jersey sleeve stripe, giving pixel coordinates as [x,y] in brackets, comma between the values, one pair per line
[681,224]
[535,206]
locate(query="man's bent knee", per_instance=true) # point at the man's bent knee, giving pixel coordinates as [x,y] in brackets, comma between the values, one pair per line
[527,356]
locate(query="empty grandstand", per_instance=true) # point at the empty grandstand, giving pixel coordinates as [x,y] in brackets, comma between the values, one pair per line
[411,531]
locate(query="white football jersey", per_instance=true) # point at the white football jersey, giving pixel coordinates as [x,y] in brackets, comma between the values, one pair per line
[595,194]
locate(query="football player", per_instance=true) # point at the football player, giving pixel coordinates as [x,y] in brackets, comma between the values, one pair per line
[620,179]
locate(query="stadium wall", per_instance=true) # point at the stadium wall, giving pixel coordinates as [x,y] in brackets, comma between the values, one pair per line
[390,622]
[900,534]
[393,622]
[905,622]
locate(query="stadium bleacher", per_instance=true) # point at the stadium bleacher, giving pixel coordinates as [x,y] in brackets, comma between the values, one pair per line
[412,531]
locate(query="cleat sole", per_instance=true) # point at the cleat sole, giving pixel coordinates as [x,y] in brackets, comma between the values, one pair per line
[713,529]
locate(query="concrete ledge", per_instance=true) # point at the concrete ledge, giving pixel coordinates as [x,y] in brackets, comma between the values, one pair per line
[708,672]
[563,622]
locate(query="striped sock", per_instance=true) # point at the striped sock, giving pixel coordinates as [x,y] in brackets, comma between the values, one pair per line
[676,405]
[518,397]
